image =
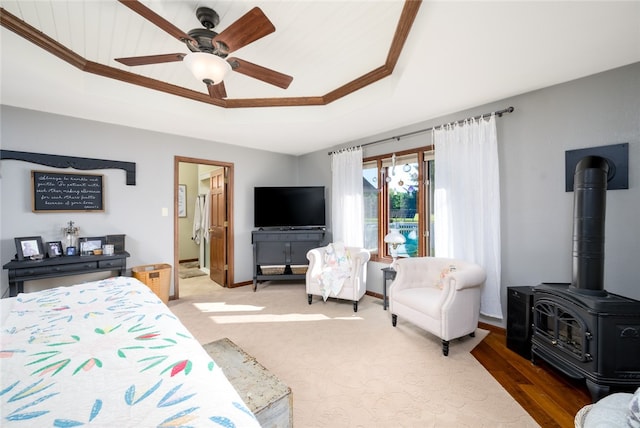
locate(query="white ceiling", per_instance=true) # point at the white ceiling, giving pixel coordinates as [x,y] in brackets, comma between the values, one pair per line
[459,54]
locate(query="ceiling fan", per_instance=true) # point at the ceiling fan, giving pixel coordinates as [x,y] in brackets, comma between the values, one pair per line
[209,47]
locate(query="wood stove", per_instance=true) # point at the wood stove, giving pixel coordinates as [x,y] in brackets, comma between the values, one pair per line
[580,328]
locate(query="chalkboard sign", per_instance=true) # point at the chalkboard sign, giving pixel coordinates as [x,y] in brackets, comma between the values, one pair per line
[53,191]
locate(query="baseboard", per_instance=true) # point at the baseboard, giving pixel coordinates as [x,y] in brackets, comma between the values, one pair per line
[492,328]
[373,294]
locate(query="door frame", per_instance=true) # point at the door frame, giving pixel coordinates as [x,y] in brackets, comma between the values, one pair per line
[229,203]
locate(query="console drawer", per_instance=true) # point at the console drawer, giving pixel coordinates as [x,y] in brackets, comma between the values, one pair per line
[45,270]
[115,264]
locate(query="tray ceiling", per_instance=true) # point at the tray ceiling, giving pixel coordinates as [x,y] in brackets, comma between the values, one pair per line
[457,55]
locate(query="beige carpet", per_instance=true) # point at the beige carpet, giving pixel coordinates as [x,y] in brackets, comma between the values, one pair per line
[349,369]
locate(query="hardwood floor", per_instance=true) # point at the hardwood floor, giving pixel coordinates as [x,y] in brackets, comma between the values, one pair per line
[549,396]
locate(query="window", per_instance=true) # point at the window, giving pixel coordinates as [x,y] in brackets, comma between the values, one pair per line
[394,196]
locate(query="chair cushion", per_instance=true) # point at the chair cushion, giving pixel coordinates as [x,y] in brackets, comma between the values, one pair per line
[423,299]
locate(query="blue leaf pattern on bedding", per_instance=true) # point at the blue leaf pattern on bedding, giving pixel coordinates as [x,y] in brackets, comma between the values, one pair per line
[66,423]
[180,419]
[95,410]
[30,392]
[244,408]
[129,397]
[105,352]
[222,421]
[165,402]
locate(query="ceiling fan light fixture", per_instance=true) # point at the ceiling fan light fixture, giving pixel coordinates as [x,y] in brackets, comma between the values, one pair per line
[207,67]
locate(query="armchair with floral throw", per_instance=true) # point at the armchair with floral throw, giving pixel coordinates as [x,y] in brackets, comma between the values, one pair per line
[337,271]
[439,295]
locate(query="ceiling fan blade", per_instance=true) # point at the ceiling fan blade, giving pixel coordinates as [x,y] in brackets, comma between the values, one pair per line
[247,29]
[261,73]
[156,19]
[217,91]
[151,59]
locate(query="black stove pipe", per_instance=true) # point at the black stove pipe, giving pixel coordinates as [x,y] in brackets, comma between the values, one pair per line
[589,206]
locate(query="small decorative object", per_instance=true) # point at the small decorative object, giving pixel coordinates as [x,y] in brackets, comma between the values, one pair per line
[70,236]
[29,248]
[394,238]
[108,249]
[117,241]
[54,249]
[70,251]
[87,245]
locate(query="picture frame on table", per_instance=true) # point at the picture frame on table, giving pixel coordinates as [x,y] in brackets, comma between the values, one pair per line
[54,249]
[29,248]
[88,244]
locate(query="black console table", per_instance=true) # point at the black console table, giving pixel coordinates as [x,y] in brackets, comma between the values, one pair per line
[282,248]
[32,270]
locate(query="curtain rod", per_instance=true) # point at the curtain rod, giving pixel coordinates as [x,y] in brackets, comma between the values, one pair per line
[498,113]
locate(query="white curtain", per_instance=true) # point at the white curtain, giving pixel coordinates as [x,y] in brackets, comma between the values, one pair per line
[467,201]
[347,202]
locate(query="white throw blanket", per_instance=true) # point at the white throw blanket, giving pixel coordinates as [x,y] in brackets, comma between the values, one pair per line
[201,219]
[335,270]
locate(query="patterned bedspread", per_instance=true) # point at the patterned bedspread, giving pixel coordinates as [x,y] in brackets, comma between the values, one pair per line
[108,354]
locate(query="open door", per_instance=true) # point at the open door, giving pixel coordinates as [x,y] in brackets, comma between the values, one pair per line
[215,178]
[218,227]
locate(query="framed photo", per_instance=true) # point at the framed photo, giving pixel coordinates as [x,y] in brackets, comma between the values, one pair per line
[29,248]
[182,200]
[87,245]
[54,249]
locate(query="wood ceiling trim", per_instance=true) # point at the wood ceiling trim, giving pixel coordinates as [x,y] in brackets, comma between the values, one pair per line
[357,84]
[407,18]
[40,39]
[147,82]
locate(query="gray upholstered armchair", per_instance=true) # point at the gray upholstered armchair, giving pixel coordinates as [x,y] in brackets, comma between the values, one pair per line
[439,295]
[337,271]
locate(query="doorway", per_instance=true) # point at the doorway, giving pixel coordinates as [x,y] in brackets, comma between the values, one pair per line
[209,242]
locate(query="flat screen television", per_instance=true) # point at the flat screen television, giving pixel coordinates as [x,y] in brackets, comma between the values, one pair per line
[289,207]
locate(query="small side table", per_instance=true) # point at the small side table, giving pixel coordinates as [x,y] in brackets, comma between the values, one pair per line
[388,273]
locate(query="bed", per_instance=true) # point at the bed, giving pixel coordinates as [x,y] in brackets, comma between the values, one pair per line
[109,354]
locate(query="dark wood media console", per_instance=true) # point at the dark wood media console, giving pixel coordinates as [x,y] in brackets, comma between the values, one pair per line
[282,248]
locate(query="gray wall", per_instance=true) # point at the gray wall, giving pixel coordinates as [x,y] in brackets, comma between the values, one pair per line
[536,211]
[135,211]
